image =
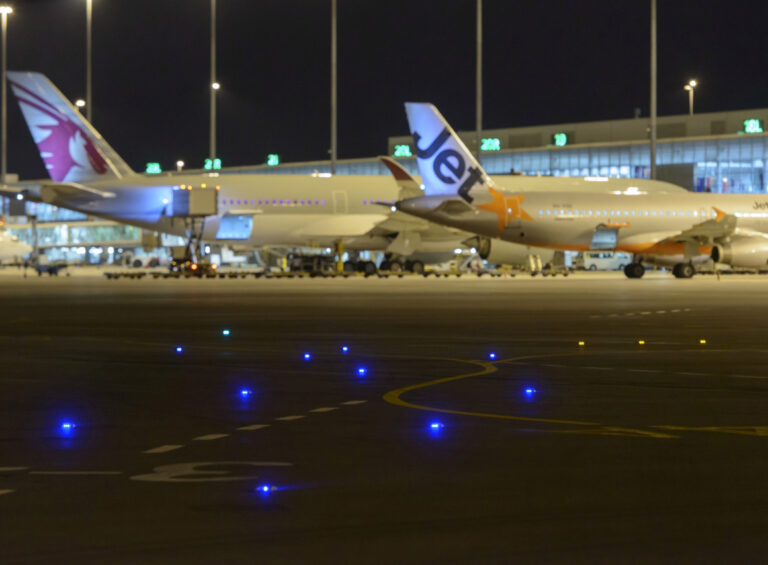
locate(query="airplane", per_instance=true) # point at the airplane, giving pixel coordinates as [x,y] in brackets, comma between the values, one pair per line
[87,175]
[249,210]
[658,227]
[11,249]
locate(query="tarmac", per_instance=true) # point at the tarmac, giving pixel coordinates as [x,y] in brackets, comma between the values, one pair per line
[588,419]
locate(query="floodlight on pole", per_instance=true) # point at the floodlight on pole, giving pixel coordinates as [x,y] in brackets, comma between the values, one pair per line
[179,165]
[690,87]
[80,103]
[216,86]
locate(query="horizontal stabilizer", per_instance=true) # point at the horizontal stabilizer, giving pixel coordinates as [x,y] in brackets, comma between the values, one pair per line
[71,192]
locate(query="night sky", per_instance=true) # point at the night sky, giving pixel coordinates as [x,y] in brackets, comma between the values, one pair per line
[545,61]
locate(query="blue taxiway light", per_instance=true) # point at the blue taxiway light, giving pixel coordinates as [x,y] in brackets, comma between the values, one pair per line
[344,349]
[245,392]
[225,332]
[179,349]
[529,392]
[307,356]
[362,371]
[435,426]
[266,489]
[491,356]
[67,427]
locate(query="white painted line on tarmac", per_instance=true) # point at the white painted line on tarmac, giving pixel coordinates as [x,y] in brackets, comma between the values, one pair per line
[325,409]
[644,370]
[646,313]
[661,311]
[253,427]
[675,310]
[612,315]
[290,418]
[6,491]
[163,448]
[551,365]
[210,437]
[353,402]
[599,368]
[12,469]
[686,309]
[75,472]
[748,377]
[629,314]
[692,374]
[595,316]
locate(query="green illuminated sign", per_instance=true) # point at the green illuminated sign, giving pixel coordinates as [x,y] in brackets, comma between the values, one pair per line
[490,144]
[153,169]
[402,151]
[215,165]
[753,126]
[560,139]
[273,159]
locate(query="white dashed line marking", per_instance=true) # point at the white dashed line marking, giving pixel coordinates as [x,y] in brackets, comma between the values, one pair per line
[661,311]
[353,402]
[595,316]
[210,437]
[163,448]
[646,313]
[5,491]
[629,314]
[325,409]
[692,374]
[686,309]
[599,368]
[75,472]
[290,418]
[12,469]
[675,310]
[612,315]
[253,427]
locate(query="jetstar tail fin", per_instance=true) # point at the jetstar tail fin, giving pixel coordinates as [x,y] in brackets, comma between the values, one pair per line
[446,166]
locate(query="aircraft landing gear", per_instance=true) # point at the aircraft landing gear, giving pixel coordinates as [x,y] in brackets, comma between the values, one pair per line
[683,271]
[634,270]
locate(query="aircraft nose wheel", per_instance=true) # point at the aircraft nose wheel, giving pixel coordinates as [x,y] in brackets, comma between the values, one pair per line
[634,270]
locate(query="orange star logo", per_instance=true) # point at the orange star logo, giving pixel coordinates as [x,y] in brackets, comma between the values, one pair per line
[506,208]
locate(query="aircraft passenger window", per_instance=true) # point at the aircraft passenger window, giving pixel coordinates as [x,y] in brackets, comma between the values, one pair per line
[549,212]
[646,212]
[365,202]
[274,202]
[322,202]
[598,212]
[695,213]
[541,212]
[613,212]
[689,213]
[231,201]
[633,212]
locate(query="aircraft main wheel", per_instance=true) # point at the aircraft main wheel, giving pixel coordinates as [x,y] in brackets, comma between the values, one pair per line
[634,271]
[683,270]
[417,267]
[369,268]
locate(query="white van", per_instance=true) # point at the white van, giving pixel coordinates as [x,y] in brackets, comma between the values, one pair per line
[605,260]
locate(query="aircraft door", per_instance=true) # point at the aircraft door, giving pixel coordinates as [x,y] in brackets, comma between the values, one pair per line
[339,201]
[604,238]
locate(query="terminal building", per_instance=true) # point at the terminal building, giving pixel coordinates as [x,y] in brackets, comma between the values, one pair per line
[722,152]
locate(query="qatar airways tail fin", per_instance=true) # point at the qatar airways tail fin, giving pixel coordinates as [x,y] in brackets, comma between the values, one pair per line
[446,166]
[72,150]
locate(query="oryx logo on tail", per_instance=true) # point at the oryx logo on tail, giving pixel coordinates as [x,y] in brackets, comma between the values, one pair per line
[445,163]
[70,148]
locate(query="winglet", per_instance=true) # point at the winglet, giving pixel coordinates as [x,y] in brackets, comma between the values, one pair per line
[409,187]
[720,214]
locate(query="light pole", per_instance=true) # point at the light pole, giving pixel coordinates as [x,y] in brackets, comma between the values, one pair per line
[4,10]
[690,87]
[88,61]
[179,165]
[213,85]
[334,108]
[653,89]
[479,78]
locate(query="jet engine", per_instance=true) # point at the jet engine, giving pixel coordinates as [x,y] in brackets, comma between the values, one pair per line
[501,252]
[748,252]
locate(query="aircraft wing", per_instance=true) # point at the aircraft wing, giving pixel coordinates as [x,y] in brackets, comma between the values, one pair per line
[708,231]
[71,191]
